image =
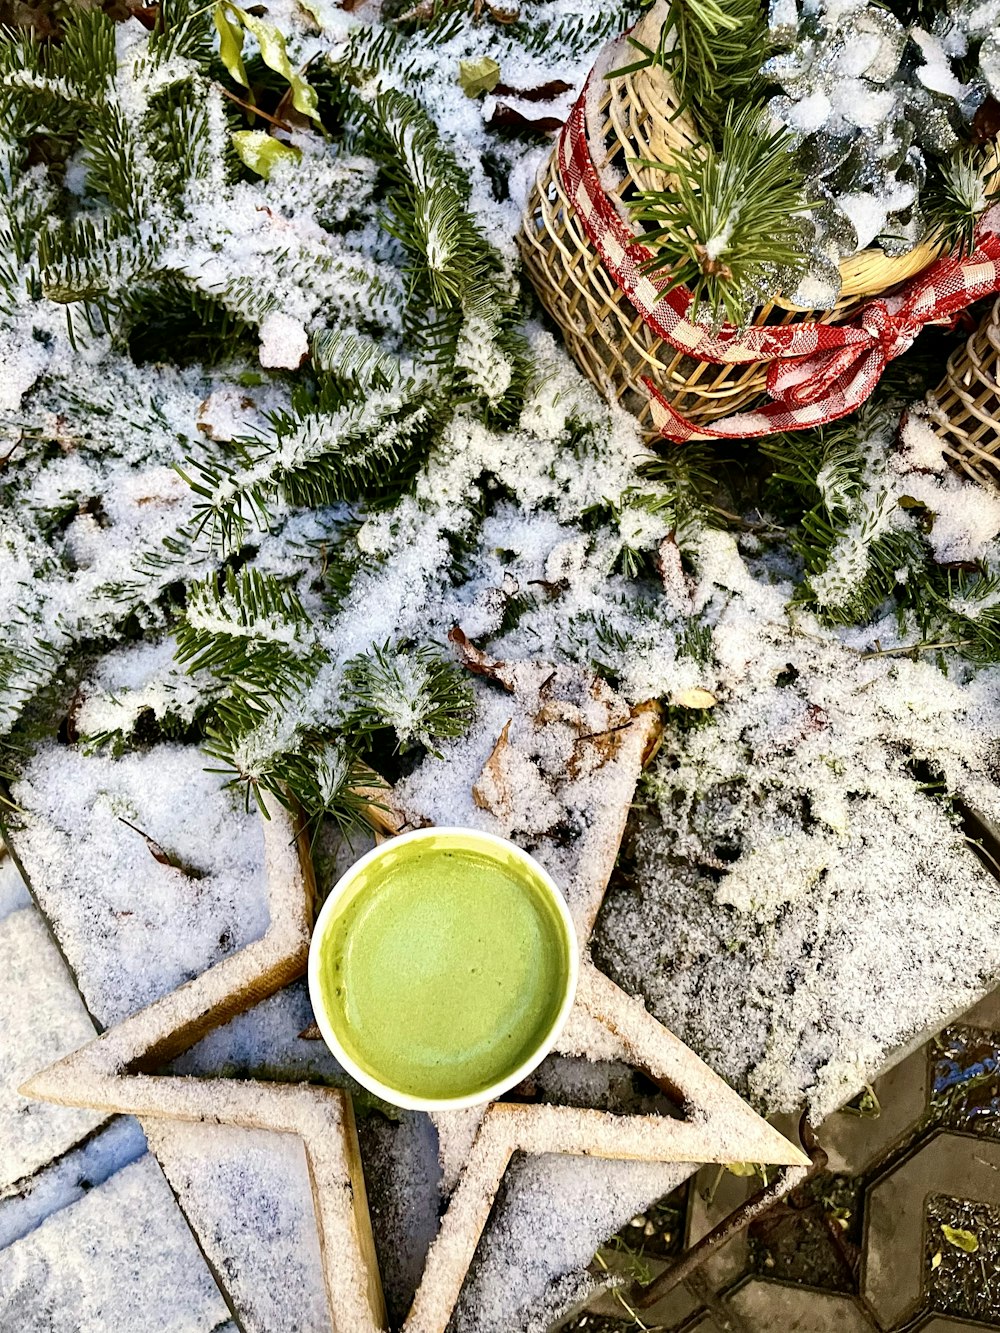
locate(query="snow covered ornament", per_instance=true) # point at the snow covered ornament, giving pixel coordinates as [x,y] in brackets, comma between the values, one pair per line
[564,709]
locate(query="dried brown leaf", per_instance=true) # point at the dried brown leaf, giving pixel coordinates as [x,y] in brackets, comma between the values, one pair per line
[543,92]
[491,790]
[480,663]
[506,117]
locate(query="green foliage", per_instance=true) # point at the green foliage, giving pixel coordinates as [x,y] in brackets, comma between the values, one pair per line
[251,632]
[713,50]
[959,191]
[852,536]
[324,448]
[729,227]
[422,697]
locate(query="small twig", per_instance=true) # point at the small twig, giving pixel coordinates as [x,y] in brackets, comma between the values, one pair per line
[254,110]
[914,648]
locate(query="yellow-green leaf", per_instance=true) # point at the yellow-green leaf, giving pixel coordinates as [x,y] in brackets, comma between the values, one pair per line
[274,56]
[741,1168]
[962,1240]
[695,697]
[478,76]
[230,44]
[936,1260]
[261,152]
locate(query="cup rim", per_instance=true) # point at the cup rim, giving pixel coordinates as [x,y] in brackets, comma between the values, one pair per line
[494,1090]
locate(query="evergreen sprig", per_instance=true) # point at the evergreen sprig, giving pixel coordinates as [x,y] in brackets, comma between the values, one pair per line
[417,694]
[958,192]
[713,51]
[251,632]
[728,227]
[323,449]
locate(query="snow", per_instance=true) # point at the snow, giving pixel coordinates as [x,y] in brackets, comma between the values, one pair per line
[120,1258]
[552,1209]
[70,1177]
[249,1197]
[41,1018]
[13,894]
[132,927]
[283,341]
[792,868]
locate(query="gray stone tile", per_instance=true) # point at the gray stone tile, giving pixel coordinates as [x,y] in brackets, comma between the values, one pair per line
[959,1165]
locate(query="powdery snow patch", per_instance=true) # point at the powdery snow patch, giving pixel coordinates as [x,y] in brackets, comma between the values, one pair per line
[13,894]
[122,1258]
[551,1214]
[284,343]
[69,1177]
[248,1194]
[132,927]
[41,1019]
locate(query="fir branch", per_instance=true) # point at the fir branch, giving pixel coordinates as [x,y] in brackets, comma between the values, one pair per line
[321,452]
[417,693]
[321,777]
[958,192]
[713,51]
[253,634]
[428,213]
[354,359]
[729,226]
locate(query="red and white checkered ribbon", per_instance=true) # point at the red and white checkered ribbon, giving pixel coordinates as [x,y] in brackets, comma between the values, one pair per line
[816,372]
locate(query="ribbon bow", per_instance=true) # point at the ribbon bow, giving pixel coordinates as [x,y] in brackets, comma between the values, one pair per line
[816,372]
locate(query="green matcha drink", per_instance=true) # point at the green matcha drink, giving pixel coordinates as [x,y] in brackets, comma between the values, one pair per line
[442,967]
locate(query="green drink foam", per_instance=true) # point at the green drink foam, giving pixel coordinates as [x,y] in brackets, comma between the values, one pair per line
[444,966]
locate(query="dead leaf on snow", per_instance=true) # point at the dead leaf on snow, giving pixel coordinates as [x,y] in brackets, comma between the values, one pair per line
[491,790]
[507,117]
[480,663]
[678,586]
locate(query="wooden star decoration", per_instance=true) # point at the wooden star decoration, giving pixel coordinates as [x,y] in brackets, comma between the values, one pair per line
[109,1075]
[608,745]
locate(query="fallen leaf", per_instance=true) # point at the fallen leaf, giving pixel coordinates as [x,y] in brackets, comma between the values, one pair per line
[678,585]
[261,152]
[163,857]
[741,1168]
[986,121]
[695,697]
[505,117]
[961,1240]
[478,76]
[543,92]
[936,1260]
[147,15]
[480,663]
[491,789]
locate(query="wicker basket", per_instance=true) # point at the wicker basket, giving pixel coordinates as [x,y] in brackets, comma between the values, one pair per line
[965,407]
[636,117]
